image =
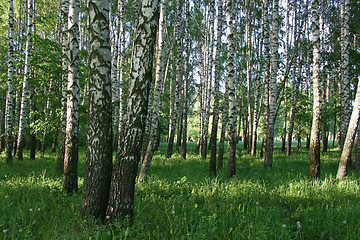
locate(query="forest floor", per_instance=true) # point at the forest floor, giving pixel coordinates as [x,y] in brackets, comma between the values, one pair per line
[180,201]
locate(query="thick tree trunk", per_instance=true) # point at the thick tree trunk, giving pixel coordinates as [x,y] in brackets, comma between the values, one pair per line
[9,100]
[73,100]
[269,144]
[157,92]
[314,167]
[230,70]
[350,136]
[24,98]
[345,80]
[98,164]
[121,197]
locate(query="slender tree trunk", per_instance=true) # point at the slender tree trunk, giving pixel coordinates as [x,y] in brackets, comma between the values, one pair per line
[98,163]
[213,136]
[73,100]
[350,137]
[121,197]
[314,167]
[121,66]
[24,100]
[157,92]
[231,89]
[266,76]
[9,101]
[64,79]
[186,80]
[32,139]
[224,120]
[356,157]
[269,147]
[326,122]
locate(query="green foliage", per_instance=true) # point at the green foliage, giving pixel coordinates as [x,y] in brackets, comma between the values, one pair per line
[180,201]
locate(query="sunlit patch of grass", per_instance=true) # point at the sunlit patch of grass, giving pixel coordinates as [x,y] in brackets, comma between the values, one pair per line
[181,201]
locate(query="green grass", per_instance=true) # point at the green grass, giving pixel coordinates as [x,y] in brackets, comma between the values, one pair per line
[180,201]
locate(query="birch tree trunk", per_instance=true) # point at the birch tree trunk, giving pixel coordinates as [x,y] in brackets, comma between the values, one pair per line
[224,121]
[73,100]
[345,81]
[64,79]
[350,137]
[266,75]
[314,166]
[213,136]
[9,101]
[157,92]
[24,98]
[178,76]
[98,165]
[121,197]
[121,66]
[232,93]
[186,80]
[272,86]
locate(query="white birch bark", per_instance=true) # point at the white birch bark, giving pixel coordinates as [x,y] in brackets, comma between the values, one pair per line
[24,98]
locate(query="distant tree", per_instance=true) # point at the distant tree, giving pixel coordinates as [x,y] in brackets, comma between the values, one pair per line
[121,197]
[98,165]
[314,167]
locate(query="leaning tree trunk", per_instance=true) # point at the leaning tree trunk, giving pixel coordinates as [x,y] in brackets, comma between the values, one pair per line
[9,102]
[269,144]
[345,81]
[232,93]
[350,136]
[98,163]
[178,76]
[64,78]
[314,166]
[27,69]
[73,100]
[121,197]
[157,92]
[186,80]
[213,136]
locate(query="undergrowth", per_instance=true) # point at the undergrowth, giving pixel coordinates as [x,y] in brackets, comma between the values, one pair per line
[180,201]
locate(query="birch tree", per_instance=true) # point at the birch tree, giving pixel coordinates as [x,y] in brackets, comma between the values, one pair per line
[159,76]
[345,80]
[73,100]
[121,197]
[213,136]
[27,70]
[186,79]
[350,137]
[64,78]
[230,71]
[272,86]
[9,99]
[314,166]
[175,112]
[98,165]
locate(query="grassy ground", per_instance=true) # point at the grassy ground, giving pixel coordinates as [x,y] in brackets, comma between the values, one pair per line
[180,201]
